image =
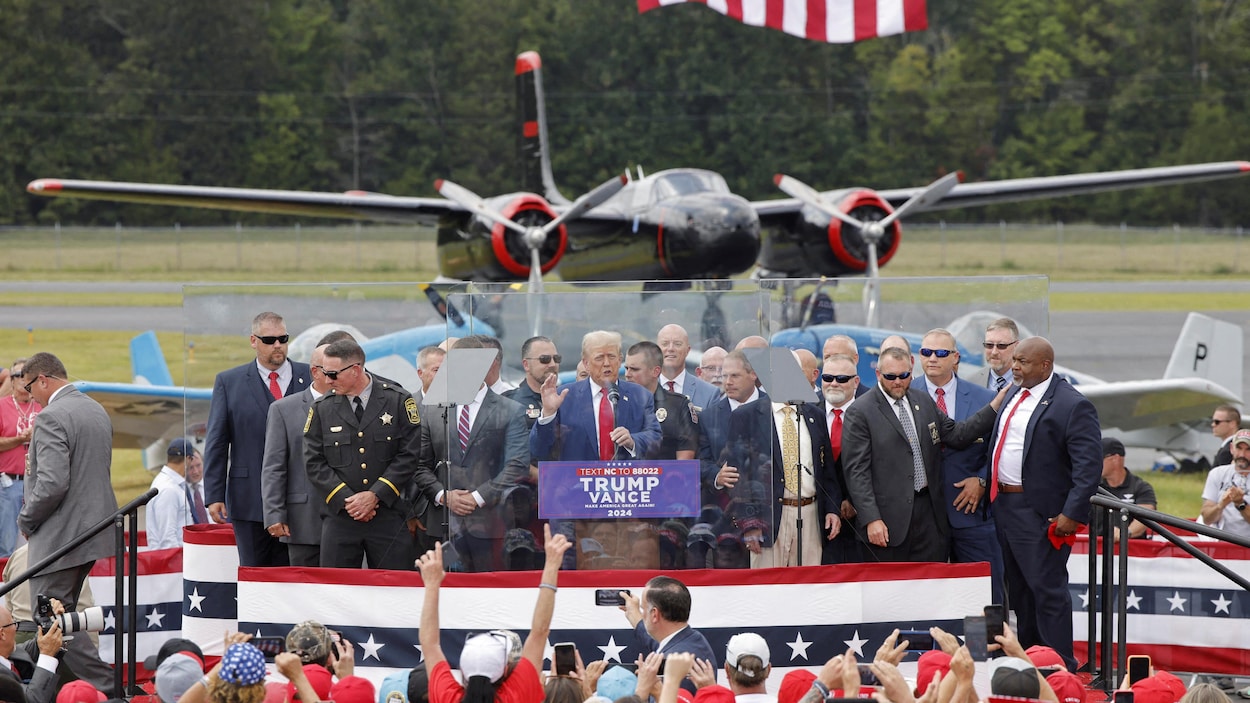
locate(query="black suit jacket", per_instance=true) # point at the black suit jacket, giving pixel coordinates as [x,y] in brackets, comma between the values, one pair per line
[756,450]
[877,458]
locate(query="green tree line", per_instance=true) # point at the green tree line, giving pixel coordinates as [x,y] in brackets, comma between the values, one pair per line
[389,95]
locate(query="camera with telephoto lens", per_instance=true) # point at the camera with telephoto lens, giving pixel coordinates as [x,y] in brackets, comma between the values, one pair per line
[89,620]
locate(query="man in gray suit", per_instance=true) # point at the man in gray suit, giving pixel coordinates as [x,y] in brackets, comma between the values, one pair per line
[292,511]
[891,454]
[68,490]
[675,343]
[489,455]
[1001,337]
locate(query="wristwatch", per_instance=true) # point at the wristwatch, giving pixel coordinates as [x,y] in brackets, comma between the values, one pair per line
[981,481]
[1240,506]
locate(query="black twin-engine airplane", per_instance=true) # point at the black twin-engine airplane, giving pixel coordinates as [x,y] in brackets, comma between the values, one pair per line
[673,225]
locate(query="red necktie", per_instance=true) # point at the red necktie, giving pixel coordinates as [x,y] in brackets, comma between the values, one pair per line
[835,433]
[998,448]
[273,385]
[941,401]
[607,449]
[671,385]
[201,516]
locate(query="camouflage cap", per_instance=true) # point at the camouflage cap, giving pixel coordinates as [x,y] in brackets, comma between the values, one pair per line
[310,640]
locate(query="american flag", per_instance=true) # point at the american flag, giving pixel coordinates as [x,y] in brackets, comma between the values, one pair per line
[833,21]
[1184,615]
[1187,617]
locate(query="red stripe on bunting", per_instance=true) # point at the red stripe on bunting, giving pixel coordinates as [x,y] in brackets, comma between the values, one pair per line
[865,19]
[1182,658]
[154,561]
[816,18]
[915,15]
[774,14]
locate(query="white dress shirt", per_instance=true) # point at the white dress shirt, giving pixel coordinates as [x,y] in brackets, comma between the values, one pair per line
[168,512]
[1011,460]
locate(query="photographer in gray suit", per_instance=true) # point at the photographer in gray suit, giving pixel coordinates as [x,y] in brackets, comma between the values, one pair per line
[68,491]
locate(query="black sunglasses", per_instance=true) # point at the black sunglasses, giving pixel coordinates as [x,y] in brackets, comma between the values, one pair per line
[271,340]
[830,378]
[1000,346]
[545,358]
[32,382]
[896,376]
[939,353]
[332,375]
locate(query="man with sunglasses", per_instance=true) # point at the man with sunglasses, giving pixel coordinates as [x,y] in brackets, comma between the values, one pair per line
[1225,421]
[973,535]
[68,491]
[540,359]
[840,386]
[891,454]
[1001,337]
[361,442]
[234,442]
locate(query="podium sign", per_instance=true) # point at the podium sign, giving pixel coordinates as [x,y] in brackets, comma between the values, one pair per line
[605,490]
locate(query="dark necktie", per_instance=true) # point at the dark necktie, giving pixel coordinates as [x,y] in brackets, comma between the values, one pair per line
[919,479]
[360,409]
[197,504]
[273,385]
[607,449]
[999,383]
[941,400]
[463,428]
[1002,439]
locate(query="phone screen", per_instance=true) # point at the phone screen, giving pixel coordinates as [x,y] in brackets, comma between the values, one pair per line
[565,659]
[917,640]
[974,637]
[269,646]
[1123,697]
[866,677]
[994,615]
[1138,668]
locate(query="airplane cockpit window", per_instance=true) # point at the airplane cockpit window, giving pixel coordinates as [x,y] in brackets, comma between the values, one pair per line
[678,183]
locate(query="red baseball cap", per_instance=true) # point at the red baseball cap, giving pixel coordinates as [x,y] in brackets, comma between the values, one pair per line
[930,663]
[1068,687]
[795,685]
[1044,657]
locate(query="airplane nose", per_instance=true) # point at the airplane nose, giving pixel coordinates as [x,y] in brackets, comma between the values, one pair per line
[718,236]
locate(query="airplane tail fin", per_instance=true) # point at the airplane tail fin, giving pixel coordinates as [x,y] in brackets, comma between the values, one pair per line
[535,149]
[1209,349]
[147,362]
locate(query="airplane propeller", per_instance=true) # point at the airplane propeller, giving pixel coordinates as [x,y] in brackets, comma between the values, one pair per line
[872,231]
[534,236]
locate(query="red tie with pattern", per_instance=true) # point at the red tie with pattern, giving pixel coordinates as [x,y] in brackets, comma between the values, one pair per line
[1002,439]
[941,400]
[835,433]
[273,385]
[606,421]
[672,386]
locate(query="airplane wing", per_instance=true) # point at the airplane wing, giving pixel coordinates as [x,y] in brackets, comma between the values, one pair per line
[1136,405]
[143,415]
[1020,189]
[353,205]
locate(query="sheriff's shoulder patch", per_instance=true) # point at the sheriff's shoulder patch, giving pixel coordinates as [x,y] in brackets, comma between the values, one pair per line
[410,406]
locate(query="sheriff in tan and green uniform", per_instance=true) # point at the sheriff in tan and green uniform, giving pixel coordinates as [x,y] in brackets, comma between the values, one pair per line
[361,442]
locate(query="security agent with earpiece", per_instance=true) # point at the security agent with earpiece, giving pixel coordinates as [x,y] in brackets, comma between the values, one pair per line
[361,443]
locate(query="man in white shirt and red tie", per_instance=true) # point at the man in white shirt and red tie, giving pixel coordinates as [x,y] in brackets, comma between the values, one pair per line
[839,383]
[674,341]
[1045,464]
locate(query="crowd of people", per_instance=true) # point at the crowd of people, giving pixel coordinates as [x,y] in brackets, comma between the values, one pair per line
[329,464]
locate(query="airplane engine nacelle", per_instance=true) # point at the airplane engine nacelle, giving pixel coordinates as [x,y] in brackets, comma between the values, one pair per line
[815,244]
[474,248]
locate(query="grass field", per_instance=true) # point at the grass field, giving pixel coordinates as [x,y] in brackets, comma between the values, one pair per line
[386,254]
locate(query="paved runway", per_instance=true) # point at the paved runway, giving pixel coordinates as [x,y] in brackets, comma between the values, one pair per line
[1115,346]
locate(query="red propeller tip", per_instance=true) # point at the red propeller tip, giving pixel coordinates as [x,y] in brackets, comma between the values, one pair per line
[438,185]
[528,61]
[1243,166]
[777,179]
[43,185]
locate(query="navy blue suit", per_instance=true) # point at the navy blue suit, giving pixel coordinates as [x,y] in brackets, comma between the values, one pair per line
[713,439]
[757,449]
[973,536]
[688,640]
[1061,468]
[700,392]
[572,435]
[234,450]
